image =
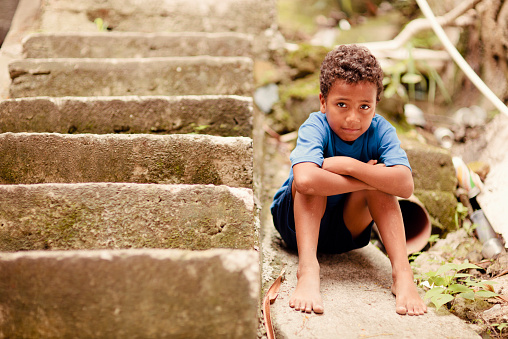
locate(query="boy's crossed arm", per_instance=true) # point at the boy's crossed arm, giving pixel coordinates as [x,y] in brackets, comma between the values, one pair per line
[342,174]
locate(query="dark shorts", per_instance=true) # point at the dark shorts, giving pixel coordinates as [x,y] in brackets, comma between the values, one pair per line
[334,236]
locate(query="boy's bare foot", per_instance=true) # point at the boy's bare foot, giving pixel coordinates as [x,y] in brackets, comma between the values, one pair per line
[407,299]
[307,297]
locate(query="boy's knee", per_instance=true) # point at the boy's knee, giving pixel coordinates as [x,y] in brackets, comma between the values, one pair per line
[369,197]
[381,199]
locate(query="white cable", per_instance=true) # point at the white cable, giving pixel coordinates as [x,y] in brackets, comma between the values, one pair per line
[470,73]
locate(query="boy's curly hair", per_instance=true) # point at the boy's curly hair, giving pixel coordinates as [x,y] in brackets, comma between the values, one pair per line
[351,63]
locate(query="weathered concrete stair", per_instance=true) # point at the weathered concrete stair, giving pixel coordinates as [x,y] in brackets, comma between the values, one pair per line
[245,16]
[135,44]
[129,294]
[196,75]
[121,215]
[32,158]
[178,193]
[205,114]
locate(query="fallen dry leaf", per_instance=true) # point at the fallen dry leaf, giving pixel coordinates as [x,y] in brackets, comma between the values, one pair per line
[269,298]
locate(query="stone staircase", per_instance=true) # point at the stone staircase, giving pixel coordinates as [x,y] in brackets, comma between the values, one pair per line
[127,184]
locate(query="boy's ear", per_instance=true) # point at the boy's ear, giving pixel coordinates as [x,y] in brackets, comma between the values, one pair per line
[322,100]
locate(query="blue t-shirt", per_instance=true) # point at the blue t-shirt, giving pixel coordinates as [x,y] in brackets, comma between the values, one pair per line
[317,141]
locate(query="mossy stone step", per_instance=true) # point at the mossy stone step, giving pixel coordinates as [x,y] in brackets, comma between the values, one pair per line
[197,75]
[129,294]
[243,16]
[120,215]
[30,158]
[135,44]
[210,114]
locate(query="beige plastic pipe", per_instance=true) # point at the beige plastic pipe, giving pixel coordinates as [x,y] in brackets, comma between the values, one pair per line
[470,73]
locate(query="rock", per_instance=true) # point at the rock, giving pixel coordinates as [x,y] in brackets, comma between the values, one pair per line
[266,96]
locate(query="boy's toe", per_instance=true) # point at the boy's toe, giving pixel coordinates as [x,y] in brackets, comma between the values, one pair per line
[401,310]
[292,303]
[319,309]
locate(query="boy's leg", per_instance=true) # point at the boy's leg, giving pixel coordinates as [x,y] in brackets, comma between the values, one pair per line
[308,212]
[362,207]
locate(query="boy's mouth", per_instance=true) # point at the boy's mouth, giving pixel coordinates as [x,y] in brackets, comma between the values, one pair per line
[350,130]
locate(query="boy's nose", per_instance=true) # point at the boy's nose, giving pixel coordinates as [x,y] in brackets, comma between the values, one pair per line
[352,116]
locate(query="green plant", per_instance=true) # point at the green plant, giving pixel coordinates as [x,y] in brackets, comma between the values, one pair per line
[408,73]
[432,239]
[460,214]
[500,327]
[413,256]
[101,25]
[447,283]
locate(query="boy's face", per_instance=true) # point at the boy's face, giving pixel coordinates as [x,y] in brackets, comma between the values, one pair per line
[349,108]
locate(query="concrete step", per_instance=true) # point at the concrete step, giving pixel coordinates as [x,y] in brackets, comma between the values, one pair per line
[198,75]
[244,16]
[129,294]
[121,215]
[30,158]
[214,115]
[135,44]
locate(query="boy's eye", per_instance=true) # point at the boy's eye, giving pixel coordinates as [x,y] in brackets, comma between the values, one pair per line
[341,104]
[365,107]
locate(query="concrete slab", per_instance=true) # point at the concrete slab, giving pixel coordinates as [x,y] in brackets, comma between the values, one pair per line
[210,114]
[355,286]
[31,158]
[99,215]
[245,16]
[135,44]
[358,303]
[129,294]
[198,75]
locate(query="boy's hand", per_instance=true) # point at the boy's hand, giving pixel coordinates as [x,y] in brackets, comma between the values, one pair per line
[395,180]
[374,162]
[344,165]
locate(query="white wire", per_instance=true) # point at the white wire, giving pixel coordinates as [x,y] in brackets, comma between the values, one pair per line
[470,73]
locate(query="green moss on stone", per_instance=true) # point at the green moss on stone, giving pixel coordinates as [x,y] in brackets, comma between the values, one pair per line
[306,59]
[441,207]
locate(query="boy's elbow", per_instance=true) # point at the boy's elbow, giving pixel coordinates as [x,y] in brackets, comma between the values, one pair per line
[303,184]
[408,189]
[407,193]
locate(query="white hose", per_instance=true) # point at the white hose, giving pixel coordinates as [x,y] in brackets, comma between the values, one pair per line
[470,73]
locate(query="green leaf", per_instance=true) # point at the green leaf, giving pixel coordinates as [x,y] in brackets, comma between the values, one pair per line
[433,238]
[201,127]
[447,267]
[463,275]
[466,266]
[433,292]
[467,295]
[437,281]
[476,284]
[386,81]
[486,294]
[390,90]
[440,300]
[501,326]
[411,78]
[458,288]
[397,68]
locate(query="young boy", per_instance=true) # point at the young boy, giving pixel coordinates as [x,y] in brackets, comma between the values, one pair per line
[347,169]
